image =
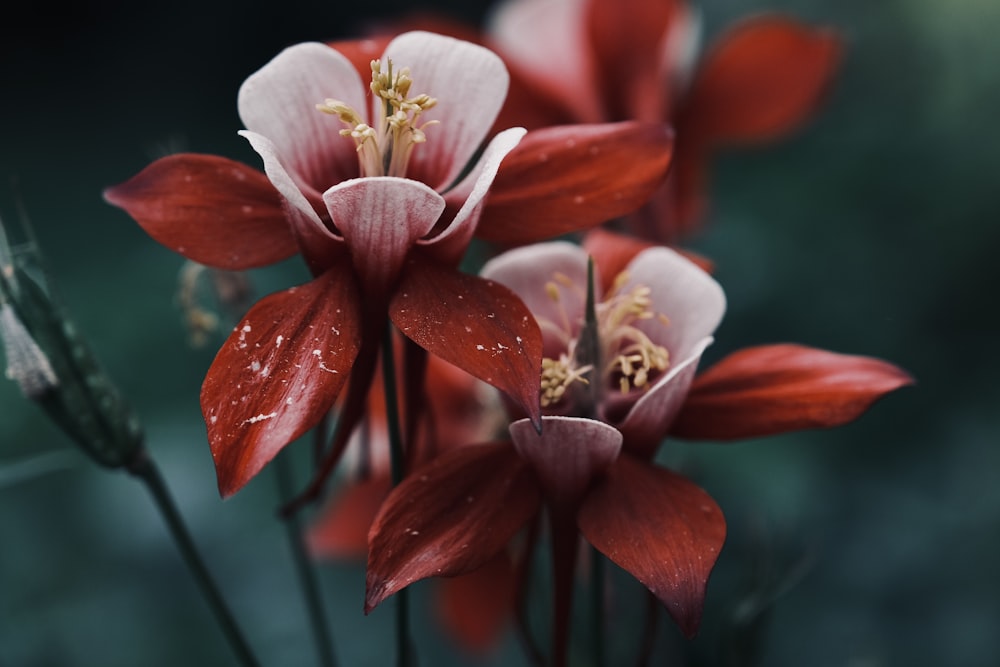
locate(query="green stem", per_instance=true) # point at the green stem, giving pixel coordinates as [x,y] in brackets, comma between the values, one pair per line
[145,469]
[304,566]
[404,653]
[597,604]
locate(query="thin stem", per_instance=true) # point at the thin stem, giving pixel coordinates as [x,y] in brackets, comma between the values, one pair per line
[404,654]
[304,566]
[597,606]
[145,469]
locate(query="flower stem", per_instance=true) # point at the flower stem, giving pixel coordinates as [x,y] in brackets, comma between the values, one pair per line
[304,566]
[404,655]
[146,470]
[597,610]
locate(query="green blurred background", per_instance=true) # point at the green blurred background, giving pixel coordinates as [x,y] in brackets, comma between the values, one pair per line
[873,230]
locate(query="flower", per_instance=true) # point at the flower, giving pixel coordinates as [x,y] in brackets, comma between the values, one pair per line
[592,60]
[627,379]
[381,200]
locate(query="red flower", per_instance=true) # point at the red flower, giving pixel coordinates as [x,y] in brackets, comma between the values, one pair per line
[367,195]
[594,60]
[595,478]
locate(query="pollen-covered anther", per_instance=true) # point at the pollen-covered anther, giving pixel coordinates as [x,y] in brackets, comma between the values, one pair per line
[633,357]
[558,375]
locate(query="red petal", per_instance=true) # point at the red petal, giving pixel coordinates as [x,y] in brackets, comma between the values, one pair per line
[278,373]
[341,531]
[765,77]
[659,527]
[777,388]
[475,607]
[449,517]
[573,177]
[475,324]
[212,210]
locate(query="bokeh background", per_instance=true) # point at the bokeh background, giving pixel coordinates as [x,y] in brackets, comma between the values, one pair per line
[872,230]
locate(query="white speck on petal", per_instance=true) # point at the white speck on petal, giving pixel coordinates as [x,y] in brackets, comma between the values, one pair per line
[260,418]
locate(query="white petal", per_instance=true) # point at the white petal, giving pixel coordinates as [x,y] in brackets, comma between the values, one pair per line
[281,178]
[470,84]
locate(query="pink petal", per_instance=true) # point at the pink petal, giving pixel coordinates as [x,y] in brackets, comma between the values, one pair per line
[211,210]
[777,388]
[692,300]
[467,197]
[659,527]
[381,219]
[568,454]
[570,178]
[295,191]
[527,271]
[449,517]
[546,41]
[279,102]
[475,324]
[278,374]
[764,77]
[469,83]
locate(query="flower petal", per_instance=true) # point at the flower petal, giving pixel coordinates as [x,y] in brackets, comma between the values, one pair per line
[469,83]
[612,253]
[279,102]
[661,529]
[568,178]
[475,324]
[568,454]
[764,77]
[449,517]
[210,209]
[278,374]
[296,192]
[381,219]
[467,197]
[778,388]
[544,41]
[341,531]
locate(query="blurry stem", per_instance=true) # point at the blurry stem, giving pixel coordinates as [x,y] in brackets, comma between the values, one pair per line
[304,566]
[145,469]
[398,463]
[597,604]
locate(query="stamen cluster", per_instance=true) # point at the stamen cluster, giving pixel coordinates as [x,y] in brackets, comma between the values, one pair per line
[384,150]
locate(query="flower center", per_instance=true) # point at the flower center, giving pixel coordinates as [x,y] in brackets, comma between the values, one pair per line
[627,356]
[384,150]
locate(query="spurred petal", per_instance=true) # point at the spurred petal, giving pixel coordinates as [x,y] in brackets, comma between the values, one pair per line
[279,102]
[210,209]
[341,531]
[568,178]
[660,528]
[778,388]
[764,77]
[568,454]
[381,218]
[475,607]
[279,373]
[475,324]
[469,83]
[449,517]
[467,198]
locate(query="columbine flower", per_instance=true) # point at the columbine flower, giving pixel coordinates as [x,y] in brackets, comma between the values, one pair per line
[592,60]
[375,186]
[591,466]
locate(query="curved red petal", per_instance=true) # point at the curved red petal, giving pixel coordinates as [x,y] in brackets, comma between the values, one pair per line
[279,373]
[341,531]
[659,527]
[449,517]
[777,388]
[764,77]
[574,177]
[475,607]
[212,210]
[475,324]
